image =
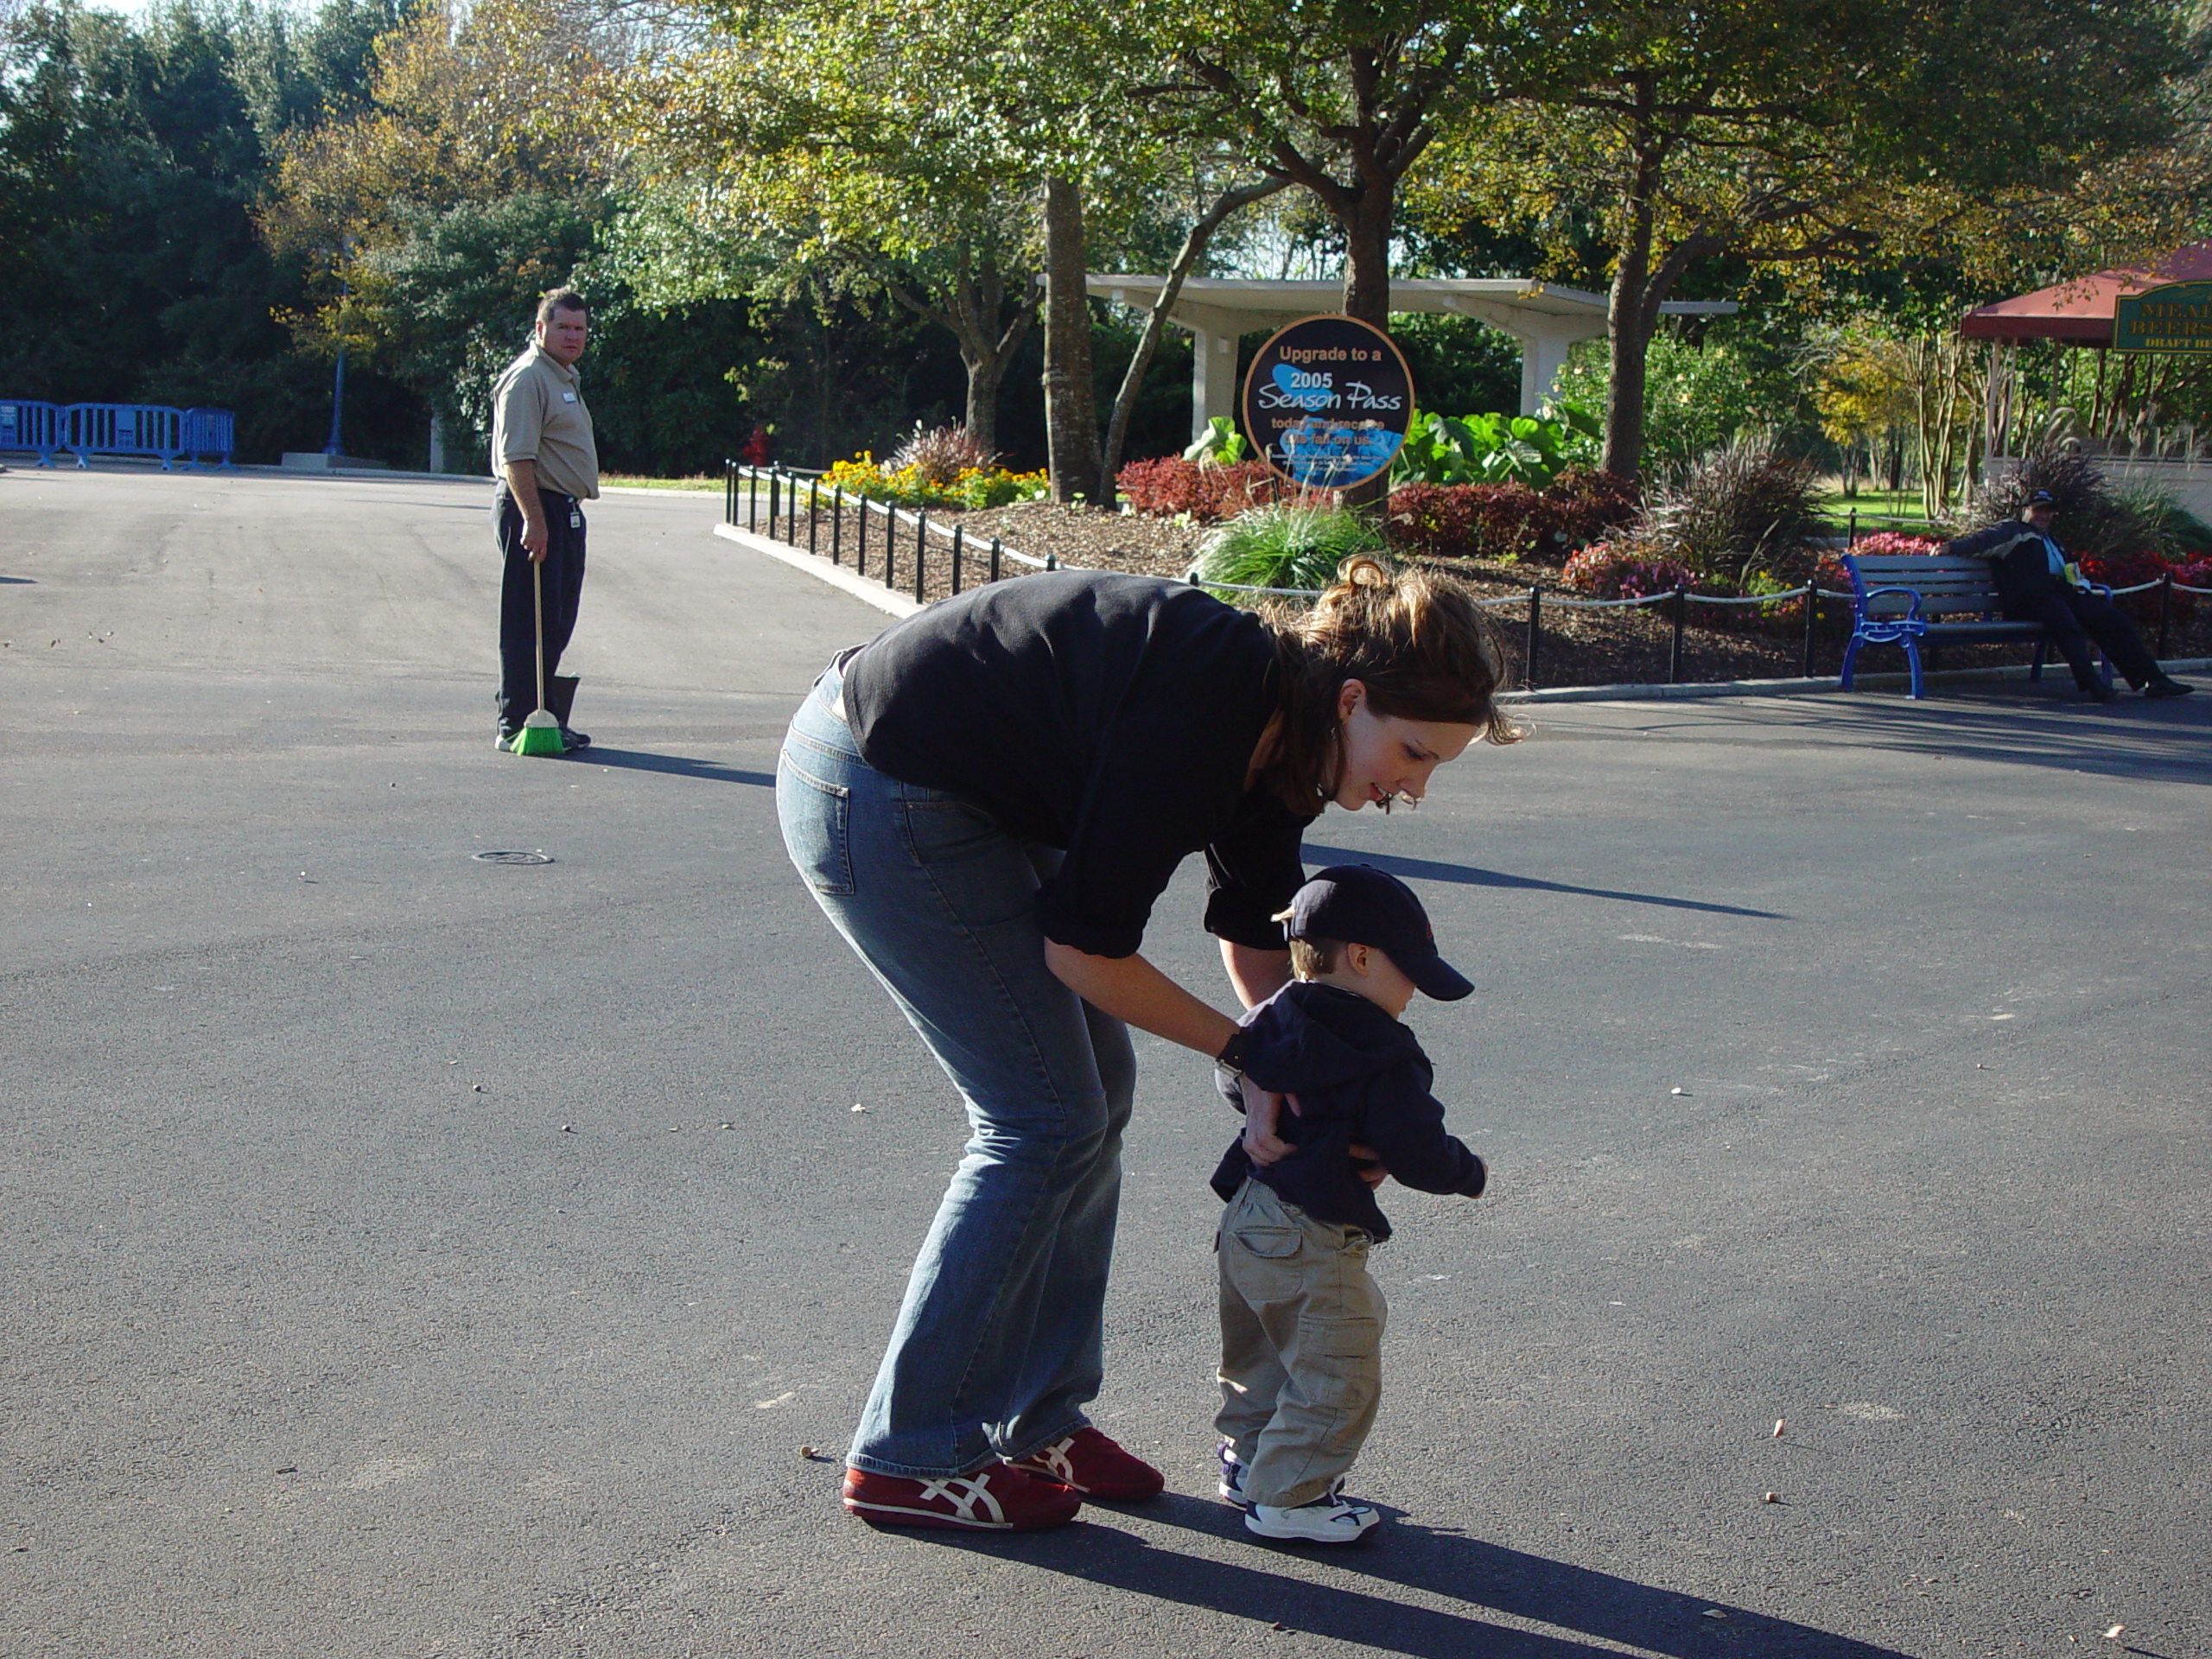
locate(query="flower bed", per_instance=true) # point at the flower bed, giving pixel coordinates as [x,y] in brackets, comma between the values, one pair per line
[908,486]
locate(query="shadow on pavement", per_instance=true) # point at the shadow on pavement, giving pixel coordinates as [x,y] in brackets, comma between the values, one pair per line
[2158,742]
[1429,869]
[677,764]
[1486,1576]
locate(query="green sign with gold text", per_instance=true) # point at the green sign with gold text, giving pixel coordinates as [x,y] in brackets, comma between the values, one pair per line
[2175,318]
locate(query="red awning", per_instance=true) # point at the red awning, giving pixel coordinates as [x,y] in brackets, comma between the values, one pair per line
[2081,310]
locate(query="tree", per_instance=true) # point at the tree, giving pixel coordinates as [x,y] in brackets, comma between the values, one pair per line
[131,153]
[473,174]
[1796,133]
[809,150]
[1345,96]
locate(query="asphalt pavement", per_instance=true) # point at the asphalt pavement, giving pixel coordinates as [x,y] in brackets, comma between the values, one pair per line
[415,1254]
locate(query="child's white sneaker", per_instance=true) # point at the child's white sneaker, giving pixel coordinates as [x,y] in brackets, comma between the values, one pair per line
[1328,1520]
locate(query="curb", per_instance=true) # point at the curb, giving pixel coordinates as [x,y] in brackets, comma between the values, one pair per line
[1797,687]
[868,592]
[875,593]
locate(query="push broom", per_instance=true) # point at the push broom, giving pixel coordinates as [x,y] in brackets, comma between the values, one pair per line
[541,732]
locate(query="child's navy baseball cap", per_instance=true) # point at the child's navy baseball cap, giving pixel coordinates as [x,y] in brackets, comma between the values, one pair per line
[1357,904]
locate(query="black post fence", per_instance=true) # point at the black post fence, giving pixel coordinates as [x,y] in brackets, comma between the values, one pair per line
[813,522]
[1812,620]
[890,545]
[994,558]
[958,531]
[2165,609]
[921,551]
[1529,656]
[837,524]
[1682,619]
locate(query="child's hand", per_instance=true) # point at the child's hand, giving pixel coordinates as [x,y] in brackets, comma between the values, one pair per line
[1262,1111]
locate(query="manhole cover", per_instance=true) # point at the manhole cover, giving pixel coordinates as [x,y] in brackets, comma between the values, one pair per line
[513,858]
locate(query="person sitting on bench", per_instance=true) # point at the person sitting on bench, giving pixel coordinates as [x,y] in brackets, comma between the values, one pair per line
[2037,583]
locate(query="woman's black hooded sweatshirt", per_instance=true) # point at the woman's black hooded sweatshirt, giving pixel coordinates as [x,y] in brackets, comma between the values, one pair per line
[1359,1075]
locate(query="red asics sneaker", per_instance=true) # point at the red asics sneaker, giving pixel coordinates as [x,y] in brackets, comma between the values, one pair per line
[1094,1467]
[998,1498]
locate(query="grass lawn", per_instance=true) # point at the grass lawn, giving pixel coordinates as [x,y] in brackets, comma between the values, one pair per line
[1877,509]
[702,482]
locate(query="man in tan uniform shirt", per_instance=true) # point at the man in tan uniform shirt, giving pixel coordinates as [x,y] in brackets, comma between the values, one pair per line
[546,463]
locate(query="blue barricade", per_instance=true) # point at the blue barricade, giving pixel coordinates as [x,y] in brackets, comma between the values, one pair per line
[124,429]
[207,433]
[35,427]
[198,437]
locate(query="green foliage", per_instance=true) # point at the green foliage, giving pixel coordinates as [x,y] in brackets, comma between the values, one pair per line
[1697,396]
[1493,449]
[1744,509]
[132,153]
[1222,446]
[1286,544]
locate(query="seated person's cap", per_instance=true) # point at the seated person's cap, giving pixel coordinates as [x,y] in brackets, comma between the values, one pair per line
[1357,904]
[2042,498]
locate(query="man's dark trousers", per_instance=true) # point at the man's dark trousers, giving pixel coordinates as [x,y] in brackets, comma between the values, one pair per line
[563,576]
[2075,618]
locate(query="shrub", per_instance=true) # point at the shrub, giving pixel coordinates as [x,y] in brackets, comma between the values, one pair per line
[1491,448]
[1625,569]
[1508,521]
[2093,521]
[1172,484]
[941,455]
[1286,544]
[1743,509]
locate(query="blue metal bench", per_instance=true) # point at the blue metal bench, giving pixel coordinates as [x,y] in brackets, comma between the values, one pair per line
[195,437]
[1913,598]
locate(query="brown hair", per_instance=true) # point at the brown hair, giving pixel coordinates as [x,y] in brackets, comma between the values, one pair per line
[560,299]
[1415,641]
[1311,958]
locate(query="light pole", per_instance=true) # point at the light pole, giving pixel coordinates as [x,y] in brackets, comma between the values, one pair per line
[334,445]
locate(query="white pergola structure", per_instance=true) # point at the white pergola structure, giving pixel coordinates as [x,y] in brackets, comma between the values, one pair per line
[1217,309]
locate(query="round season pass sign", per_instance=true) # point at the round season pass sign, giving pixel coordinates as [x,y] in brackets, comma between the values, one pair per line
[1327,401]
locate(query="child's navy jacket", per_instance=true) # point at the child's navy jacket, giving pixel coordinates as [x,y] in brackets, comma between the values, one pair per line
[1358,1075]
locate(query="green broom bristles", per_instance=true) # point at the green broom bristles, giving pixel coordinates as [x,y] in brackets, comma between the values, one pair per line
[540,735]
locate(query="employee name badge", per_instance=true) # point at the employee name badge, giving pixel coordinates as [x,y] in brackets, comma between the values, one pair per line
[568,397]
[575,516]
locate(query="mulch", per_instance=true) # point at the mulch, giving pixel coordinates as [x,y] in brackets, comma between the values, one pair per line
[1571,646]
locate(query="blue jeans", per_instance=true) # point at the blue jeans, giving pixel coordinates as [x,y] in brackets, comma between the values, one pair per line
[998,1347]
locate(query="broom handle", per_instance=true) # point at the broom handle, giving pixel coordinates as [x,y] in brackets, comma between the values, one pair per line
[537,609]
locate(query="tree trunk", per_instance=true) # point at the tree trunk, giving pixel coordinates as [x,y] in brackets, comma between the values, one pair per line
[1626,344]
[1070,402]
[1155,323]
[970,307]
[1366,226]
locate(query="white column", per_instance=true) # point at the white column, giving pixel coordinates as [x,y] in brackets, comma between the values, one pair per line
[1213,380]
[1542,356]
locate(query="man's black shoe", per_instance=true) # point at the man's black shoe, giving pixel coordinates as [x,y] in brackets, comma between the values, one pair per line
[2167,687]
[2101,692]
[571,741]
